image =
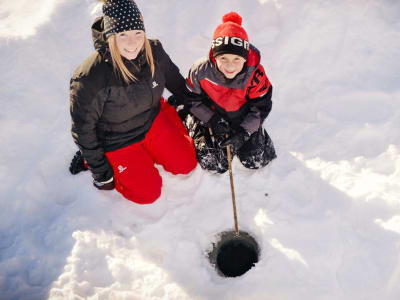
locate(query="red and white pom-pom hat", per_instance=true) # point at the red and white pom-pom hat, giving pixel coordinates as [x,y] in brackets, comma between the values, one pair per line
[230,37]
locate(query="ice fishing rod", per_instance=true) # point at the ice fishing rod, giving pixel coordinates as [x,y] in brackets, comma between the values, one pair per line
[228,152]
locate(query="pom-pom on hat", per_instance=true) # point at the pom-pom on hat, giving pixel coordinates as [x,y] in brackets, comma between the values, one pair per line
[230,37]
[121,15]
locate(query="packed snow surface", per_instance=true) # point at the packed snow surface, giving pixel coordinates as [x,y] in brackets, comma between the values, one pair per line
[326,212]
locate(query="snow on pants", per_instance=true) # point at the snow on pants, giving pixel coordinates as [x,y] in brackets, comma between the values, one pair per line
[167,143]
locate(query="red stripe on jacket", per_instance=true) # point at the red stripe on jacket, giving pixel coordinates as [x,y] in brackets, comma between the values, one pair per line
[233,99]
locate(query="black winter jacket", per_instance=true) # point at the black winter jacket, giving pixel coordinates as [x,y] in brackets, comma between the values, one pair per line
[108,114]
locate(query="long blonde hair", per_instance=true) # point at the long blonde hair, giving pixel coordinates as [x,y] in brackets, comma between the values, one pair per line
[118,64]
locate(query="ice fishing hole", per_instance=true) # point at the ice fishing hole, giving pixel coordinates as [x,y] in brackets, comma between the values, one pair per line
[233,255]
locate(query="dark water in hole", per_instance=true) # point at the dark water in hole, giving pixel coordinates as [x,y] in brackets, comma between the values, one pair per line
[236,257]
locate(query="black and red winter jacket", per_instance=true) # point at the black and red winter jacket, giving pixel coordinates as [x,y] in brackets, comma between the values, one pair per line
[242,101]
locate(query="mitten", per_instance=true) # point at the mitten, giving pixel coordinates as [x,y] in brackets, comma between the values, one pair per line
[77,164]
[174,101]
[219,125]
[237,140]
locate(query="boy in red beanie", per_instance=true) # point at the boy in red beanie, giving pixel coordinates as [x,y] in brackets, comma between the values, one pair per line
[229,97]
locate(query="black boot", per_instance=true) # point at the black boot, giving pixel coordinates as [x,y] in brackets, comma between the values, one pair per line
[258,151]
[210,155]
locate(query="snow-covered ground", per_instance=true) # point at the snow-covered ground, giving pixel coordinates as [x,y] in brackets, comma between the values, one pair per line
[329,227]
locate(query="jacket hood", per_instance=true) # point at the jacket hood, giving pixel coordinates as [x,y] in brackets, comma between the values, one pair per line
[98,36]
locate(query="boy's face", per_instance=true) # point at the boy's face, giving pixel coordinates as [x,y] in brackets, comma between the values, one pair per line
[230,64]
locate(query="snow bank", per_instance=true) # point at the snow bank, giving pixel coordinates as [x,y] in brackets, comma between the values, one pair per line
[325,213]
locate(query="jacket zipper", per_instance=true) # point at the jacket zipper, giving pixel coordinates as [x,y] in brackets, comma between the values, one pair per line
[151,92]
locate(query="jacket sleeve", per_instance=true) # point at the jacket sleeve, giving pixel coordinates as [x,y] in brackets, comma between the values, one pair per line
[175,82]
[259,99]
[195,98]
[86,107]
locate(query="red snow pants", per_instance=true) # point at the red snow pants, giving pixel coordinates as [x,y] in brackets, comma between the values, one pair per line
[167,143]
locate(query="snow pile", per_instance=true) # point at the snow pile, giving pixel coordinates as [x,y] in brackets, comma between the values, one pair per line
[326,213]
[20,19]
[370,179]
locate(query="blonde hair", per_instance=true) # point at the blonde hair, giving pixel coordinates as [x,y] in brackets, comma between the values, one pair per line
[118,64]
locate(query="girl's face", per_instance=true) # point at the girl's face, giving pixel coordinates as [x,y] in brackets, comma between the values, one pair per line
[130,43]
[230,64]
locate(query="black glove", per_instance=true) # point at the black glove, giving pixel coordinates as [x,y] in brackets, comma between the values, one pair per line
[180,108]
[77,164]
[219,126]
[237,140]
[105,185]
[174,101]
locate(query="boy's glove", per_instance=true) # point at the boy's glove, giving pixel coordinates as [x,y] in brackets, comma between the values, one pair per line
[219,125]
[237,140]
[78,164]
[104,185]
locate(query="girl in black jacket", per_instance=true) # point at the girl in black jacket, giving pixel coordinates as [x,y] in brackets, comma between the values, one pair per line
[120,121]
